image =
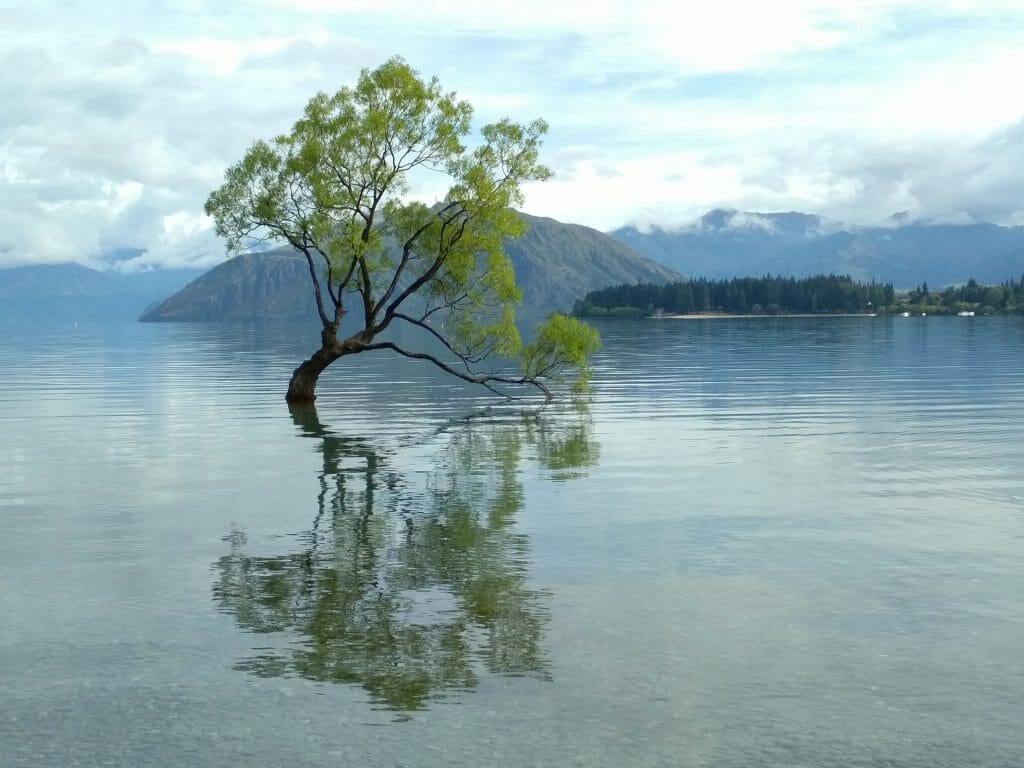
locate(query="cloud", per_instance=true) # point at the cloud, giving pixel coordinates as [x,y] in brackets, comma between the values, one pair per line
[744,220]
[848,179]
[962,179]
[108,141]
[124,116]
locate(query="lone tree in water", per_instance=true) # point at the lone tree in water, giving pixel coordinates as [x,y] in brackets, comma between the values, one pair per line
[335,188]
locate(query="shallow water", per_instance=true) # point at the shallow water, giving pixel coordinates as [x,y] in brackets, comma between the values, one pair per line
[792,542]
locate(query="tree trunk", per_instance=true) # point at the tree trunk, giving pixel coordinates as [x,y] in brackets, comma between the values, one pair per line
[302,387]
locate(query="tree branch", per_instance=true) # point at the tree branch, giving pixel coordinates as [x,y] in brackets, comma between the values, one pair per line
[419,282]
[406,257]
[316,281]
[467,358]
[485,379]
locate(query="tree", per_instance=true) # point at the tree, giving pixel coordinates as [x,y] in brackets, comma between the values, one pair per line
[335,189]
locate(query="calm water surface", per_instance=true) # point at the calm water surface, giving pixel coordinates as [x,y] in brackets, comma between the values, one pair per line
[792,542]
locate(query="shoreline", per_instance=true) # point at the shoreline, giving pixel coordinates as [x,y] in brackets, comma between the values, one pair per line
[721,315]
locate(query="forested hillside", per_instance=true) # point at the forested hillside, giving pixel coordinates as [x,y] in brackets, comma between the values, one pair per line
[822,294]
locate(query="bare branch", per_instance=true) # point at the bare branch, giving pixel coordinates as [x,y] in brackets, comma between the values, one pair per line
[450,304]
[407,254]
[300,246]
[485,379]
[468,359]
[442,255]
[348,277]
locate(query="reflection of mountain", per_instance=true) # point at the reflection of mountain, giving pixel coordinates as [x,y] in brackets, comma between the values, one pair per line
[407,591]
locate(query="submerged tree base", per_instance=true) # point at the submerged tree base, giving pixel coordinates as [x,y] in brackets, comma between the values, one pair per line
[302,387]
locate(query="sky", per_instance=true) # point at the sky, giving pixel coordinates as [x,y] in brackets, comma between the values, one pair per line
[119,118]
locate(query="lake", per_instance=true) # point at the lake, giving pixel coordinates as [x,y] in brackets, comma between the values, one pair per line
[757,542]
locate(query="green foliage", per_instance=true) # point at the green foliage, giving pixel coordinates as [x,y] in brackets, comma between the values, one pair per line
[820,294]
[336,189]
[1003,299]
[561,342]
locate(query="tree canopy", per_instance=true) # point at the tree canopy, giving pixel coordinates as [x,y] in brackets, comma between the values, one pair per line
[336,189]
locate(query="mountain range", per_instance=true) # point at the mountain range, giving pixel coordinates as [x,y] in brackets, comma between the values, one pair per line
[727,243]
[62,294]
[555,264]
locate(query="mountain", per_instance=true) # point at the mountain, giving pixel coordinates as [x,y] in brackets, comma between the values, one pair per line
[155,285]
[555,264]
[271,285]
[558,263]
[64,294]
[728,243]
[59,293]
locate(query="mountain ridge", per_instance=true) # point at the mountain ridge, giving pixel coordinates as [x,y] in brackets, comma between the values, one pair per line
[726,243]
[68,293]
[555,264]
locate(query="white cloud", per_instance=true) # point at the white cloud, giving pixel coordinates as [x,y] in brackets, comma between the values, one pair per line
[745,220]
[120,118]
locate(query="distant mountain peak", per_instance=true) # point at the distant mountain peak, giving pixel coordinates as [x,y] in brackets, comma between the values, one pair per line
[717,218]
[118,255]
[733,220]
[902,248]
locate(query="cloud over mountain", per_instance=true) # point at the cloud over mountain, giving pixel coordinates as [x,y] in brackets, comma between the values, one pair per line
[722,244]
[122,117]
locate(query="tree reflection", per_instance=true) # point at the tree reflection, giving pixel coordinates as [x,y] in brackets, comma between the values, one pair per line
[409,587]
